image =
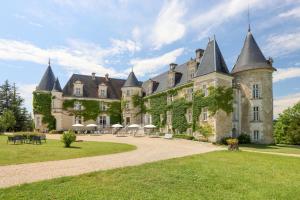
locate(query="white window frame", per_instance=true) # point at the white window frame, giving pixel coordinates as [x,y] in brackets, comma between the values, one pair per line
[77,91]
[77,106]
[204,114]
[256,135]
[255,91]
[78,119]
[255,113]
[204,90]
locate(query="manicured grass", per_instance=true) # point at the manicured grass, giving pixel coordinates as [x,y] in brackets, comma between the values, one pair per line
[54,150]
[279,148]
[216,175]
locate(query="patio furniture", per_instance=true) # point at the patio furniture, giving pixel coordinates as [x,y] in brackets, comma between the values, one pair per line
[36,139]
[15,139]
[168,136]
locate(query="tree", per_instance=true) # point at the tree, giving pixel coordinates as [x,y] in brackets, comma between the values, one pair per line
[287,126]
[7,120]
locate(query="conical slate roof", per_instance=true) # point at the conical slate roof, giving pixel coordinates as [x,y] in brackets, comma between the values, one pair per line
[47,81]
[251,56]
[212,60]
[131,81]
[57,87]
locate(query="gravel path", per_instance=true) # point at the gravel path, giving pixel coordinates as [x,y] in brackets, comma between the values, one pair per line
[148,150]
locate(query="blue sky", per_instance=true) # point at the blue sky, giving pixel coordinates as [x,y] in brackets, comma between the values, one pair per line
[85,36]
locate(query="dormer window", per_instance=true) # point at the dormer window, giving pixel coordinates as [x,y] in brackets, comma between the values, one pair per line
[102,91]
[78,89]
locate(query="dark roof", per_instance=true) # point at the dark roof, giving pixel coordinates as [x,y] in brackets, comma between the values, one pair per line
[251,56]
[47,81]
[132,81]
[212,60]
[90,86]
[57,86]
[161,81]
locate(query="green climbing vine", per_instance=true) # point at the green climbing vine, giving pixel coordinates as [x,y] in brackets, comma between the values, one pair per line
[178,108]
[138,101]
[219,98]
[91,109]
[158,108]
[42,105]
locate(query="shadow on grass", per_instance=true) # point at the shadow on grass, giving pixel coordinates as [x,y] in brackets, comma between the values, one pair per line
[73,147]
[263,146]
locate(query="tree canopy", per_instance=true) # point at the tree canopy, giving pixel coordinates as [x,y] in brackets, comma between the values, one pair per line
[287,126]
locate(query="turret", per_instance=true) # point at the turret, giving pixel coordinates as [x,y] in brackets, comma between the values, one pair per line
[253,110]
[47,81]
[131,88]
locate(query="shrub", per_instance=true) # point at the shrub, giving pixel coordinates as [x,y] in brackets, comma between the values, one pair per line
[68,137]
[224,140]
[244,139]
[183,136]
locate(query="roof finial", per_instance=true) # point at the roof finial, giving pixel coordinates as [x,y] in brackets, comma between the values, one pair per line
[49,62]
[249,27]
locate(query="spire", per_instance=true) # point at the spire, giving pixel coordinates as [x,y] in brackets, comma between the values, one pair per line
[56,86]
[249,27]
[49,62]
[212,60]
[131,81]
[251,56]
[47,81]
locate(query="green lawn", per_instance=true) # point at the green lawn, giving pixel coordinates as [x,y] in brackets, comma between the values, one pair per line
[216,175]
[279,148]
[54,150]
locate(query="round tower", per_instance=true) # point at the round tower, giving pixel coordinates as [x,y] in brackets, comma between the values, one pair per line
[253,108]
[131,88]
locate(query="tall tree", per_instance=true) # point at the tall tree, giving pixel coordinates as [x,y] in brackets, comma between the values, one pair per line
[7,120]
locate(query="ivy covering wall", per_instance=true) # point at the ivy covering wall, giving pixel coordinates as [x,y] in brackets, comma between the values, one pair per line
[42,103]
[179,108]
[91,109]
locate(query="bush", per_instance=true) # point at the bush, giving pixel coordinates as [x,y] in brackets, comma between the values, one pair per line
[68,138]
[233,144]
[184,136]
[244,139]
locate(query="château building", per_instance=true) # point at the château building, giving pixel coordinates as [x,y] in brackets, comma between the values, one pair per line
[131,101]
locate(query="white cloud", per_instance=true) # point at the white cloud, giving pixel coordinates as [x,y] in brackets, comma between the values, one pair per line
[79,56]
[293,13]
[169,26]
[222,12]
[282,103]
[282,44]
[146,66]
[283,74]
[26,93]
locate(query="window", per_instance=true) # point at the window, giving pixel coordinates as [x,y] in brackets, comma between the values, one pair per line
[255,91]
[127,105]
[77,106]
[78,120]
[128,93]
[103,106]
[255,113]
[102,121]
[204,90]
[38,120]
[127,120]
[192,74]
[102,93]
[77,91]
[169,117]
[255,135]
[189,116]
[204,114]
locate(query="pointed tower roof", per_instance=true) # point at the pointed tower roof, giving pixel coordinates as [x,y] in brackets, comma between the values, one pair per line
[56,86]
[132,81]
[251,57]
[212,60]
[47,81]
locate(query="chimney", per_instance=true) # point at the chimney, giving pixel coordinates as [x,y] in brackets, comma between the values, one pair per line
[93,75]
[106,76]
[173,66]
[199,54]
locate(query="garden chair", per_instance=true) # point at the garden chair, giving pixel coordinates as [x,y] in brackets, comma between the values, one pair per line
[36,139]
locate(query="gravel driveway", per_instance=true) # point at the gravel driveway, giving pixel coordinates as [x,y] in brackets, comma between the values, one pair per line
[148,150]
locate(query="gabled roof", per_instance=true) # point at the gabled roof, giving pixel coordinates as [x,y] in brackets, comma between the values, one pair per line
[132,81]
[90,86]
[47,82]
[251,56]
[212,60]
[57,87]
